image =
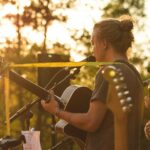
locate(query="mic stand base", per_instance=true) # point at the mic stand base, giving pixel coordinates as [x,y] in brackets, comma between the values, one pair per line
[9,142]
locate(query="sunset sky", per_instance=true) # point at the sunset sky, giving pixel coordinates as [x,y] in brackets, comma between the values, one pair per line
[80,17]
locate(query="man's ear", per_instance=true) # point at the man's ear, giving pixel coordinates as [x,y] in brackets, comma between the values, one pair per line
[105,44]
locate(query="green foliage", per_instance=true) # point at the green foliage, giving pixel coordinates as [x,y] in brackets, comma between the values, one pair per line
[86,77]
[121,7]
[39,15]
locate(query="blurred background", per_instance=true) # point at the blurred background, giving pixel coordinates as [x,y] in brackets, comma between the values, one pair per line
[55,31]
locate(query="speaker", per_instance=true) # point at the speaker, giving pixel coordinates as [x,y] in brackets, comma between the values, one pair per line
[53,75]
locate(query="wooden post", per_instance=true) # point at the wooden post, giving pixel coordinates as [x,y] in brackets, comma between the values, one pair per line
[7,106]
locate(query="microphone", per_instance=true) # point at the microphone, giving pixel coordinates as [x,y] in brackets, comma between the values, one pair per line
[87,59]
[146,82]
[67,69]
[77,69]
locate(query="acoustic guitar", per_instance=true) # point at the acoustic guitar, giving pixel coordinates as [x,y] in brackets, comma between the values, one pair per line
[74,99]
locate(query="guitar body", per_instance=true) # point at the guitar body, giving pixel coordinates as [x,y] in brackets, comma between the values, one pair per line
[76,100]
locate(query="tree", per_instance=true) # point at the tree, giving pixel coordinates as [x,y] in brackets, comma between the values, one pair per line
[39,15]
[121,7]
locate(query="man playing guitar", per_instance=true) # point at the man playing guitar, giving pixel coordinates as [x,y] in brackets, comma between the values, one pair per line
[111,38]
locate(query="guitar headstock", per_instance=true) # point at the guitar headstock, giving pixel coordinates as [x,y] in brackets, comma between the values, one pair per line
[116,79]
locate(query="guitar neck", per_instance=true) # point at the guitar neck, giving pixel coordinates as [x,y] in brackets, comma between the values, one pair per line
[30,86]
[121,134]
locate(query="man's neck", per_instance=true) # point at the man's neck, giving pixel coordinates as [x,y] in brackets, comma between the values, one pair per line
[113,55]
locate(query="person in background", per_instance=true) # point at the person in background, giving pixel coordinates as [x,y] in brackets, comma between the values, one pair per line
[147,125]
[111,39]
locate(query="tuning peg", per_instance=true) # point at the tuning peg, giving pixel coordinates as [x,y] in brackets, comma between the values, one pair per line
[121,78]
[120,94]
[121,87]
[129,99]
[122,101]
[120,73]
[130,106]
[118,87]
[126,92]
[115,80]
[126,109]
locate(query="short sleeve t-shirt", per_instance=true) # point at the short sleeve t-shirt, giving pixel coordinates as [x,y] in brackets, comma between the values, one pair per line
[103,138]
[101,88]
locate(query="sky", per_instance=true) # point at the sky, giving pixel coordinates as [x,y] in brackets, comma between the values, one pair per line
[142,38]
[80,17]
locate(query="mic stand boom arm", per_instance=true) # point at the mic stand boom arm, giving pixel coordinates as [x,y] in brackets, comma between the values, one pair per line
[14,76]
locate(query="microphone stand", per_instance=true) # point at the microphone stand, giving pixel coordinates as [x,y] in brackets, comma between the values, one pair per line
[9,142]
[29,105]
